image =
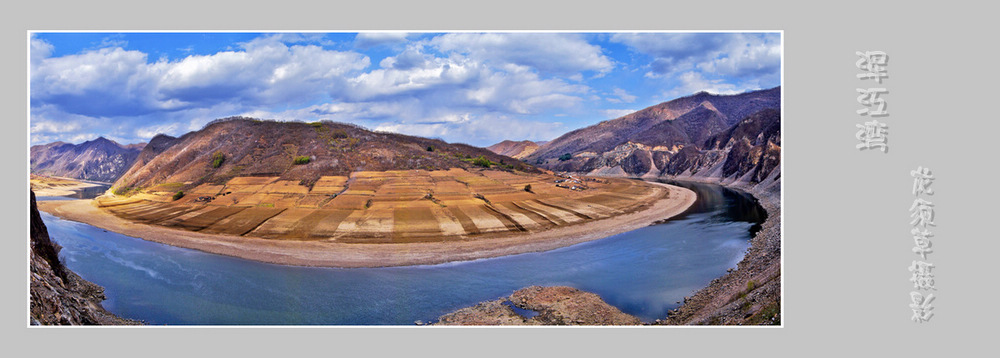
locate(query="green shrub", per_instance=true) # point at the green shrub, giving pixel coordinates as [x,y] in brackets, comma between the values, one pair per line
[178,195]
[482,161]
[217,159]
[565,157]
[527,188]
[430,148]
[299,160]
[339,134]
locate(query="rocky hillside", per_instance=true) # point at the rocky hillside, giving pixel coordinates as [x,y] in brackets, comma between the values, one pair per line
[733,138]
[559,305]
[59,296]
[237,147]
[100,160]
[514,149]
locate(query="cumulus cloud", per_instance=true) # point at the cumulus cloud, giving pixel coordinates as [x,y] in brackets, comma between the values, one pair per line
[715,62]
[483,130]
[621,96]
[557,53]
[117,82]
[367,40]
[39,49]
[692,82]
[472,87]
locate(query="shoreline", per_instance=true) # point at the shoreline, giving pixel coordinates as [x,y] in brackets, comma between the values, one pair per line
[750,294]
[727,300]
[331,254]
[62,190]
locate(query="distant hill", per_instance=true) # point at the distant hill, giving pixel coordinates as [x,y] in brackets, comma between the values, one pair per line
[100,160]
[515,149]
[239,147]
[722,137]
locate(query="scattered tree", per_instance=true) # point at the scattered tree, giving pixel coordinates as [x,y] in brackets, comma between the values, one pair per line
[178,195]
[565,157]
[299,160]
[217,159]
[527,188]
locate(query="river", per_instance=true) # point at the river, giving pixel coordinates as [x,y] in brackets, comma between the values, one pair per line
[644,272]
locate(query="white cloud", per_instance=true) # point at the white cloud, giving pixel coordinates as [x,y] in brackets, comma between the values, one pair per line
[480,130]
[616,113]
[424,87]
[39,49]
[371,39]
[693,82]
[556,53]
[716,62]
[114,81]
[621,96]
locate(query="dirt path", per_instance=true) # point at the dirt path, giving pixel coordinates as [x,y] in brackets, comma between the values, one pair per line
[332,254]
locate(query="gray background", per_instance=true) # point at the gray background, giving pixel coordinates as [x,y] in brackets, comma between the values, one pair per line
[847,242]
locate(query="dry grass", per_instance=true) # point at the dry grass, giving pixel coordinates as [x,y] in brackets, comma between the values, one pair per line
[382,207]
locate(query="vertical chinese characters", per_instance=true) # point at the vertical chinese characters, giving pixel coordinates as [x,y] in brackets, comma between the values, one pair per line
[873,134]
[922,214]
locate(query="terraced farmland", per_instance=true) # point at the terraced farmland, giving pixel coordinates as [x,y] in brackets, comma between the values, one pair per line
[388,207]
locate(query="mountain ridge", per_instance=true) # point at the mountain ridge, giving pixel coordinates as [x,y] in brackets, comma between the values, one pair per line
[294,151]
[100,159]
[720,138]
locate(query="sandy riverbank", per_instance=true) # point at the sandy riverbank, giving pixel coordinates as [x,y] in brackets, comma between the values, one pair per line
[332,254]
[55,186]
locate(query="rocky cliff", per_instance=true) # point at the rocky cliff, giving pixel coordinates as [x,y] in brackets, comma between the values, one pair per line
[59,296]
[723,139]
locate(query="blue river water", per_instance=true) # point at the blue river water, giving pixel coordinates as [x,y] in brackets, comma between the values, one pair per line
[644,272]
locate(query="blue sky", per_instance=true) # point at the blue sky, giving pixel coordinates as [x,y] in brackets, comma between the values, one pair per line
[475,88]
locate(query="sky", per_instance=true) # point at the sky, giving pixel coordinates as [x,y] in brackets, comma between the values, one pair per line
[474,88]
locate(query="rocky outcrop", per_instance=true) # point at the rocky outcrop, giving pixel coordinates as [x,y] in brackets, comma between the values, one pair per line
[747,152]
[681,122]
[721,139]
[100,160]
[59,296]
[559,305]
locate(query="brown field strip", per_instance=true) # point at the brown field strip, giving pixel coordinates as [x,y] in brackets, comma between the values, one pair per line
[243,221]
[198,210]
[539,219]
[509,222]
[590,210]
[130,207]
[348,202]
[467,225]
[383,207]
[206,219]
[164,213]
[321,226]
[563,214]
[282,224]
[412,222]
